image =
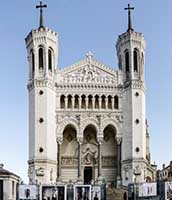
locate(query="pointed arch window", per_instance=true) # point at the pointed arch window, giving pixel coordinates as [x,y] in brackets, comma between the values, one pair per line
[127,62]
[135,60]
[50,60]
[41,58]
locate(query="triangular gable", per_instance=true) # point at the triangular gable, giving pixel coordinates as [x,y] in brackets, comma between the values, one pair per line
[88,71]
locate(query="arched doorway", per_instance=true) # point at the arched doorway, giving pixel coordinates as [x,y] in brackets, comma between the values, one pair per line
[109,154]
[89,154]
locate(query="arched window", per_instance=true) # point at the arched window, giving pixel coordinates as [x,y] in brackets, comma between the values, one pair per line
[97,101]
[120,62]
[90,101]
[62,101]
[83,104]
[33,61]
[69,103]
[50,60]
[41,58]
[103,102]
[135,60]
[76,101]
[127,62]
[116,102]
[109,102]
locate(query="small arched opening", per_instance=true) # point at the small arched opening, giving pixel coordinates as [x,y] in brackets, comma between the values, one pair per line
[41,58]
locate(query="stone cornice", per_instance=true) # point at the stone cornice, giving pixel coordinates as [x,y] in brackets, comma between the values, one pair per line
[88,86]
[41,83]
[33,161]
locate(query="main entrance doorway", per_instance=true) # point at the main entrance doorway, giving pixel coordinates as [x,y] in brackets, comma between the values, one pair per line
[88,175]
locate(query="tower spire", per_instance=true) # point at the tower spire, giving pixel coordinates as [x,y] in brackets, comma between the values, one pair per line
[129,8]
[41,6]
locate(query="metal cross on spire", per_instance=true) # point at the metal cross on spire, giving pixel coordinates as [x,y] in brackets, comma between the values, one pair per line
[129,17]
[41,6]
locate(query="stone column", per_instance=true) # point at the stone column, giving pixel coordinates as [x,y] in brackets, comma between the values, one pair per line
[119,141]
[66,101]
[73,102]
[106,102]
[100,157]
[93,102]
[59,142]
[80,102]
[113,103]
[79,157]
[86,102]
[100,102]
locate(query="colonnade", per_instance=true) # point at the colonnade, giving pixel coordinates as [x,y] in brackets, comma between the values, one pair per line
[89,102]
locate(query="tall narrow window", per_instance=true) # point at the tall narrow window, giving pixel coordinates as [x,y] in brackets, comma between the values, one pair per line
[109,102]
[83,103]
[103,102]
[62,101]
[50,60]
[33,61]
[116,102]
[120,63]
[41,60]
[127,62]
[90,102]
[76,101]
[96,101]
[69,105]
[135,60]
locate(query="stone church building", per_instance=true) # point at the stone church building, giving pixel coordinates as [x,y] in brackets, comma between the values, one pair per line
[87,121]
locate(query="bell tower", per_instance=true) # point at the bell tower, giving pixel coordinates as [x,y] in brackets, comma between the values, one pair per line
[131,54]
[42,50]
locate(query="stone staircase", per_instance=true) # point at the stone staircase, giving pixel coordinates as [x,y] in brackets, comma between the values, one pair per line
[114,194]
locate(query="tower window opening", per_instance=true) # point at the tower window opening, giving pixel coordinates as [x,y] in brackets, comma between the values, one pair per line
[127,62]
[41,60]
[50,63]
[116,102]
[33,62]
[135,60]
[120,63]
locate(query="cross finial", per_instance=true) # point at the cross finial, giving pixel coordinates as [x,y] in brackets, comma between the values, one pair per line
[41,6]
[129,8]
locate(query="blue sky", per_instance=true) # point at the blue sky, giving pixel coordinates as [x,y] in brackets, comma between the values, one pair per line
[90,25]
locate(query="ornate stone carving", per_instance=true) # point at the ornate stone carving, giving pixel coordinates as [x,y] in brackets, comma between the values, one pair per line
[69,161]
[90,72]
[137,170]
[40,171]
[108,161]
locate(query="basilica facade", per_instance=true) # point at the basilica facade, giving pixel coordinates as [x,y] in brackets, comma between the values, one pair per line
[87,121]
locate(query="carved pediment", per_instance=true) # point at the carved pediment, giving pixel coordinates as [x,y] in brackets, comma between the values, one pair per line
[89,71]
